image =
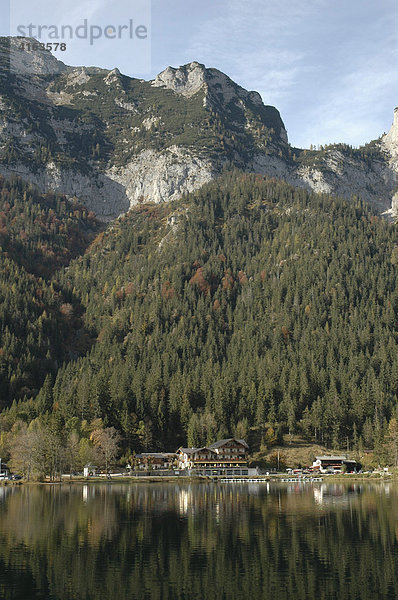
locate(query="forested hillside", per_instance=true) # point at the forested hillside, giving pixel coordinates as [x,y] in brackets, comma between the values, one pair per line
[248,303]
[38,235]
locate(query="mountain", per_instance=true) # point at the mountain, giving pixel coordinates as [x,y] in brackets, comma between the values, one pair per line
[114,141]
[221,299]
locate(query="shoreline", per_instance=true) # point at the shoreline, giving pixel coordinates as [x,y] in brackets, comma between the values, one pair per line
[379,477]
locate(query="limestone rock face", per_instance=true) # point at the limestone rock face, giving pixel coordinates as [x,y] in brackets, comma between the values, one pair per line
[186,80]
[114,142]
[189,79]
[340,175]
[394,205]
[162,176]
[390,145]
[345,176]
[101,194]
[390,140]
[151,177]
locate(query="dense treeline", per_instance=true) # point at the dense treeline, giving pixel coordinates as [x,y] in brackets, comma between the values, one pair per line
[249,303]
[38,235]
[42,232]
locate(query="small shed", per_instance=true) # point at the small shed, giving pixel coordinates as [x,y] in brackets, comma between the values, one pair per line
[89,470]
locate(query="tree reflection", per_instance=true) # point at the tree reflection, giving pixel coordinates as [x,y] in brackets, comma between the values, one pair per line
[198,541]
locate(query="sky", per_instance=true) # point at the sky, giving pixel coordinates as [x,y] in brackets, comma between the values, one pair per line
[329,66]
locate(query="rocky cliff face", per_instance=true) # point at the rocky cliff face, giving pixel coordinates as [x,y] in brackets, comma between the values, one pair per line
[389,144]
[113,141]
[342,174]
[390,140]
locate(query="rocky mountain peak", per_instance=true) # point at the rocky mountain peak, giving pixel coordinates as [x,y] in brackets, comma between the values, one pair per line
[219,91]
[113,77]
[189,79]
[185,80]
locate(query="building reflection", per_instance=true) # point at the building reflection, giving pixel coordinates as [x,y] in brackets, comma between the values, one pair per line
[161,541]
[336,494]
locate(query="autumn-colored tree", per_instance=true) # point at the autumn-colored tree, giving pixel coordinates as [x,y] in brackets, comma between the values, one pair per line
[21,450]
[392,441]
[107,442]
[270,437]
[72,452]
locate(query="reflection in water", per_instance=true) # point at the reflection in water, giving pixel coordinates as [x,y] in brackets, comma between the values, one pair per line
[199,541]
[336,493]
[6,491]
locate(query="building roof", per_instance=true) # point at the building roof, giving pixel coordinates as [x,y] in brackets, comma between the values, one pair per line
[223,442]
[331,458]
[214,446]
[194,450]
[156,454]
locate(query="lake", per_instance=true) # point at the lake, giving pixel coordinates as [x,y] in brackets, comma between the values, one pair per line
[201,541]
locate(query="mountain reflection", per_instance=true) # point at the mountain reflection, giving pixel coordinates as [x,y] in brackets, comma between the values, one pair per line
[198,541]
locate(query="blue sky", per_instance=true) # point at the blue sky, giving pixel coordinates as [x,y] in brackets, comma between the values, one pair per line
[329,66]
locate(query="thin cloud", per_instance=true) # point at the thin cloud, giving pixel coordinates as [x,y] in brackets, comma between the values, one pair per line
[356,104]
[251,38]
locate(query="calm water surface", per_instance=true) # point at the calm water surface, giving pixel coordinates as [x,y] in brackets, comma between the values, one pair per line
[199,542]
